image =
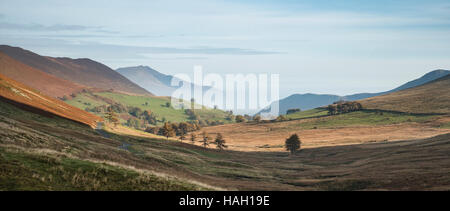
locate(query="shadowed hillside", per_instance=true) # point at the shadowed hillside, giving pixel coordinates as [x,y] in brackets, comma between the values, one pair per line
[82,71]
[433,97]
[27,98]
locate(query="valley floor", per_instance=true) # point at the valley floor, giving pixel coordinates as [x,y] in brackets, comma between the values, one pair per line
[352,128]
[57,154]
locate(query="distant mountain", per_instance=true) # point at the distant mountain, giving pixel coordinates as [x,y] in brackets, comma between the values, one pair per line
[305,101]
[310,101]
[433,75]
[27,98]
[430,97]
[41,81]
[151,80]
[82,71]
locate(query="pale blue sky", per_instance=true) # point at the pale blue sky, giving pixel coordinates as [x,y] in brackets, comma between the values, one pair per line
[336,47]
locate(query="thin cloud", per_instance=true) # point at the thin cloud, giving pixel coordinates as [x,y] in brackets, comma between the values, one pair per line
[55,27]
[172,50]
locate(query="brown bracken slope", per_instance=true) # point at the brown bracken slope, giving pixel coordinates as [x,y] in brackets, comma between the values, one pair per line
[27,98]
[36,79]
[432,97]
[82,71]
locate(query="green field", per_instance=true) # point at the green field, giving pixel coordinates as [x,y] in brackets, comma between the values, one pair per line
[155,104]
[316,112]
[365,117]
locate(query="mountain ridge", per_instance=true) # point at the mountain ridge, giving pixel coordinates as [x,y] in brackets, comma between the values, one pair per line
[430,97]
[82,71]
[152,80]
[149,79]
[36,79]
[303,101]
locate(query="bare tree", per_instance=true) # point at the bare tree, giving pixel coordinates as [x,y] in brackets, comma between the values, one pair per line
[193,137]
[111,116]
[220,142]
[205,139]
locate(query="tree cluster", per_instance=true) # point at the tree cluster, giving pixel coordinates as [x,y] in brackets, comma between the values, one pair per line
[111,116]
[281,118]
[240,118]
[177,128]
[343,107]
[257,118]
[219,141]
[139,118]
[292,110]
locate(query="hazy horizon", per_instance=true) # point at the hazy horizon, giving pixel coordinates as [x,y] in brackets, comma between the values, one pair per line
[321,47]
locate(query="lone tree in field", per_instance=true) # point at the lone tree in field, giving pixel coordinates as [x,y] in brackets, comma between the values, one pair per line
[168,131]
[220,142]
[293,143]
[111,116]
[182,136]
[205,139]
[193,137]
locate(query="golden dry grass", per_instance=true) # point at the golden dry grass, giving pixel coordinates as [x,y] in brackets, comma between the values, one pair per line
[32,100]
[271,136]
[122,130]
[433,97]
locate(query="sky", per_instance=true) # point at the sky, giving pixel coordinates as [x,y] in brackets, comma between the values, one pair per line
[326,47]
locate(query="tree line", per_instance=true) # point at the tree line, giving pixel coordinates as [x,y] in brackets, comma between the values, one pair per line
[343,107]
[170,130]
[293,110]
[173,129]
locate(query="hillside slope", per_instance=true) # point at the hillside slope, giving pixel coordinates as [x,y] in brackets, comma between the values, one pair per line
[304,102]
[430,76]
[310,101]
[82,71]
[432,97]
[156,105]
[36,79]
[27,98]
[51,153]
[37,153]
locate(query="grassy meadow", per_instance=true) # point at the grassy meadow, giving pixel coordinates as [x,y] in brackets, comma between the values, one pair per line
[317,130]
[316,112]
[155,104]
[365,118]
